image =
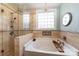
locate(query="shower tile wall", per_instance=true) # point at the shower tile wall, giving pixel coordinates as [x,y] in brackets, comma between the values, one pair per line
[8,42]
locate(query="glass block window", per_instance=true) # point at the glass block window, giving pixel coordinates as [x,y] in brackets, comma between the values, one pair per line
[45,20]
[26,19]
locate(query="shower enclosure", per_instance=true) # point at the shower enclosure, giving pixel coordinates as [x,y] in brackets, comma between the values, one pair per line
[9,29]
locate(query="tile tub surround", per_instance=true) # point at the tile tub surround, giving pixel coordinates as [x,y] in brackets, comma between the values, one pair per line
[54,33]
[71,37]
[20,42]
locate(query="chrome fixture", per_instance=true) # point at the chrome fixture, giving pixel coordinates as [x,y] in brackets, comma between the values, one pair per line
[2,10]
[12,25]
[59,45]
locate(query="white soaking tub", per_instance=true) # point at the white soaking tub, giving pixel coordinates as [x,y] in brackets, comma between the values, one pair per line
[44,47]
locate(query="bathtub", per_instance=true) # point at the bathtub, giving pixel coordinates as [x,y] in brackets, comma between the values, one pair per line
[44,47]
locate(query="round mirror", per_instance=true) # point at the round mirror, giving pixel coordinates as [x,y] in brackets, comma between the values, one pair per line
[67,19]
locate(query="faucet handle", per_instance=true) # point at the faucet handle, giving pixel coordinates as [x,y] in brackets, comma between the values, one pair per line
[64,38]
[58,41]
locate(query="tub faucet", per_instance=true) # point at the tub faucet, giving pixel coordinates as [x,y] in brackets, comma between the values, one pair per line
[61,43]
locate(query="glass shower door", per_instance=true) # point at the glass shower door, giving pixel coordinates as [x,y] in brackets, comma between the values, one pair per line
[0,33]
[5,18]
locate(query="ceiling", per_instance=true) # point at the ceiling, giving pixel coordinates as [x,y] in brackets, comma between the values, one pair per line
[25,7]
